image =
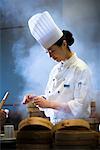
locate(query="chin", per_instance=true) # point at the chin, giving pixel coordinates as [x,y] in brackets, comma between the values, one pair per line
[57,60]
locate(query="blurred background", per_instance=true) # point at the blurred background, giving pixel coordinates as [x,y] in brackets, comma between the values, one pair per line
[24,66]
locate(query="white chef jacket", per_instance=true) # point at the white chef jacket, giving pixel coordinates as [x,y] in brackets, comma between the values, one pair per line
[69,83]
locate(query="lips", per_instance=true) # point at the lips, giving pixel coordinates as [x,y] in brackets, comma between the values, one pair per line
[54,58]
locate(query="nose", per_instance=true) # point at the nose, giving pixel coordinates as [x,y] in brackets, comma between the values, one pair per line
[50,54]
[48,51]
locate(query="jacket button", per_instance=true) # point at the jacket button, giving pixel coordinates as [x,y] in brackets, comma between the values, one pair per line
[58,91]
[49,91]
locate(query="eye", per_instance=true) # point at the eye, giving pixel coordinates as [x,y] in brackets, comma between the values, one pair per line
[51,50]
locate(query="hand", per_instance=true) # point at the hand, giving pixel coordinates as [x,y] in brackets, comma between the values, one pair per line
[41,102]
[28,98]
[44,103]
[2,117]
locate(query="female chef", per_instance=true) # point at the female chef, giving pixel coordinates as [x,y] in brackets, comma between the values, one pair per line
[67,95]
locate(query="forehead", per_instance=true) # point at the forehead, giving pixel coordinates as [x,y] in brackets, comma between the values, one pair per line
[53,47]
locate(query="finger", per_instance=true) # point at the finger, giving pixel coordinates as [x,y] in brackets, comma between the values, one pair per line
[30,96]
[37,103]
[25,101]
[36,100]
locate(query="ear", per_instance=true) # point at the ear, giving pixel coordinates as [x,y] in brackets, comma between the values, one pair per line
[64,43]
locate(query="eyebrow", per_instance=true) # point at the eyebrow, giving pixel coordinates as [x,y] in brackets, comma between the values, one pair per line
[49,49]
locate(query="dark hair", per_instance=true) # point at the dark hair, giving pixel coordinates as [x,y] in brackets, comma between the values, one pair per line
[67,35]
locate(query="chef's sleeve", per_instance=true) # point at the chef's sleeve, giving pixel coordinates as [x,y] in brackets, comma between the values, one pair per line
[82,92]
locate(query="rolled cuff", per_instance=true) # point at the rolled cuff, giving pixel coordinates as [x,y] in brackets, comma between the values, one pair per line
[76,108]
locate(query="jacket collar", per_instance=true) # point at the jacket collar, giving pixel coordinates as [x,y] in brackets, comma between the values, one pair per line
[69,61]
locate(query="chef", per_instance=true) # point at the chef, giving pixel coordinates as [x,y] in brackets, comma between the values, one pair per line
[68,91]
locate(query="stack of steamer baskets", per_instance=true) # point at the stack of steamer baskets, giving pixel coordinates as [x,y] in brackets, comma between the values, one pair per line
[74,135]
[34,133]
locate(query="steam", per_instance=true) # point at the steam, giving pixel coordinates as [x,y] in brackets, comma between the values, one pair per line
[33,67]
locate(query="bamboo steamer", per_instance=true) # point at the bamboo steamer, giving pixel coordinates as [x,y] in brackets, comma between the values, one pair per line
[35,121]
[78,123]
[33,137]
[74,134]
[76,140]
[73,148]
[34,133]
[71,137]
[34,140]
[33,147]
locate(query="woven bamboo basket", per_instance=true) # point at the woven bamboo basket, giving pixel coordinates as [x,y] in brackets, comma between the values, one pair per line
[74,135]
[34,133]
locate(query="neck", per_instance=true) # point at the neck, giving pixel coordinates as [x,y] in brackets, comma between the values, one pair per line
[69,54]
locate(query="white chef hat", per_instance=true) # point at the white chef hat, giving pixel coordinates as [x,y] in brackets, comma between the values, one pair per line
[44,29]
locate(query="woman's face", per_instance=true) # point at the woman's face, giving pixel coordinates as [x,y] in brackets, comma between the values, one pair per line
[58,53]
